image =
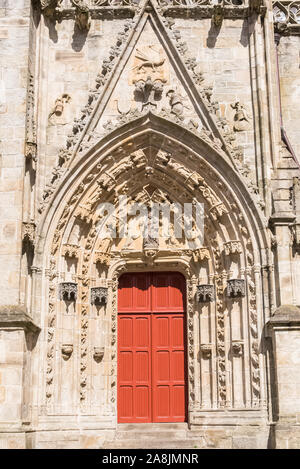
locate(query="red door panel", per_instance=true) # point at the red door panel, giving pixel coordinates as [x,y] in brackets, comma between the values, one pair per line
[168,292]
[168,368]
[134,368]
[151,348]
[134,293]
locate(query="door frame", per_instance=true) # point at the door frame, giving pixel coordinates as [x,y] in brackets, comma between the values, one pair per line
[171,263]
[151,313]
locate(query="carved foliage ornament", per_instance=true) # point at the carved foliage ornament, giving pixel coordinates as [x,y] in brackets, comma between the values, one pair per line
[68,291]
[99,295]
[30,143]
[232,247]
[206,350]
[236,288]
[70,250]
[205,293]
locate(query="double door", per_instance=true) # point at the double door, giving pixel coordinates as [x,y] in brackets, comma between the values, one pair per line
[151,348]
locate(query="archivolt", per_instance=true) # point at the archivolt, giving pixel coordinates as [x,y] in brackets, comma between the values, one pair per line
[140,161]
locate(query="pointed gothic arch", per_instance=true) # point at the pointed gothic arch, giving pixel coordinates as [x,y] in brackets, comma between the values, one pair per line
[224,286]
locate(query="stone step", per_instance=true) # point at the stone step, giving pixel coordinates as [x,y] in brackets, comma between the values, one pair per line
[141,427]
[163,435]
[153,444]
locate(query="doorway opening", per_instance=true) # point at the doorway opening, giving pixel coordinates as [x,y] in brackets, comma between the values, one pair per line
[152,358]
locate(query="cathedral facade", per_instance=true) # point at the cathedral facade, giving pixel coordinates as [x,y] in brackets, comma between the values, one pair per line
[113,339]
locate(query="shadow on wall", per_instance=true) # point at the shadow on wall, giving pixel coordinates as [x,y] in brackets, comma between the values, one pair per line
[79,38]
[246,31]
[266,348]
[51,25]
[213,34]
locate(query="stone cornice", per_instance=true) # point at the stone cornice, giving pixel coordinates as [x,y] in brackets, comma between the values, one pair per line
[285,316]
[97,9]
[208,9]
[15,316]
[282,219]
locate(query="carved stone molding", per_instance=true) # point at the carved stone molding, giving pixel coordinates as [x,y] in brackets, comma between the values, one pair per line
[295,226]
[66,351]
[205,293]
[70,250]
[201,254]
[102,258]
[83,10]
[237,348]
[207,9]
[98,354]
[232,247]
[28,232]
[206,350]
[236,288]
[99,295]
[68,291]
[30,140]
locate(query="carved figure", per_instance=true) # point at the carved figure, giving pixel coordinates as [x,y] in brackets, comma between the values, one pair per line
[175,102]
[147,61]
[241,118]
[149,92]
[82,14]
[56,115]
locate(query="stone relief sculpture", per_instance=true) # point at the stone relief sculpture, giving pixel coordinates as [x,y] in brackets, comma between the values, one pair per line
[59,113]
[241,120]
[82,14]
[171,144]
[148,92]
[176,104]
[149,62]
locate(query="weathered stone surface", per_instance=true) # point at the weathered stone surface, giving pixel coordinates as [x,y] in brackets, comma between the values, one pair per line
[196,103]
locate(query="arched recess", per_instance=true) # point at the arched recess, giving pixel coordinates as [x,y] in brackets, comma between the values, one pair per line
[151,160]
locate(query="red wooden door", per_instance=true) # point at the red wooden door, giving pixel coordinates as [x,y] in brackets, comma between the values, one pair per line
[151,348]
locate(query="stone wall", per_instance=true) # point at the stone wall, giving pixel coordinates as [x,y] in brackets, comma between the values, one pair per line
[241,385]
[289,69]
[14,39]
